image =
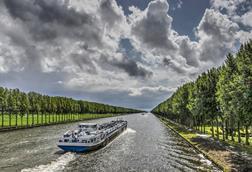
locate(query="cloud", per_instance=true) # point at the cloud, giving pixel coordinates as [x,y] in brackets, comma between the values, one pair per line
[150,90]
[216,35]
[109,13]
[230,6]
[188,49]
[244,36]
[153,36]
[131,67]
[176,67]
[153,27]
[246,19]
[75,48]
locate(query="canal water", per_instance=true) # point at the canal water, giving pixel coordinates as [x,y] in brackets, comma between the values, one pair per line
[147,145]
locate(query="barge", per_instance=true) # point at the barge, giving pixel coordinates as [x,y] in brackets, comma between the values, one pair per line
[91,136]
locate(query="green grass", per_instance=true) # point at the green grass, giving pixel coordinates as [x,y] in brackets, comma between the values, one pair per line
[48,119]
[242,146]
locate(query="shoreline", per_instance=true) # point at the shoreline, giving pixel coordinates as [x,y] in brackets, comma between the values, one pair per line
[15,128]
[225,159]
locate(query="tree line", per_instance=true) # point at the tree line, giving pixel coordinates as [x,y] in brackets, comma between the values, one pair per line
[220,97]
[15,103]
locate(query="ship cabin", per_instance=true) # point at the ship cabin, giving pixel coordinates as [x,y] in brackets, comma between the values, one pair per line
[88,125]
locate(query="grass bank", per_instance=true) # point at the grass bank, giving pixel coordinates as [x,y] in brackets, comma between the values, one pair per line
[242,145]
[13,122]
[224,155]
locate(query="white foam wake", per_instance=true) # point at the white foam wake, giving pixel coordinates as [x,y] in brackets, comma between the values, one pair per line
[129,130]
[204,160]
[57,165]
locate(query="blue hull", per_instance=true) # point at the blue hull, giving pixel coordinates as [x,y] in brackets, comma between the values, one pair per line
[75,148]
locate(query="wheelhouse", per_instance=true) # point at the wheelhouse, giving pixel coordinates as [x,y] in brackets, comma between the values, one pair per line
[88,126]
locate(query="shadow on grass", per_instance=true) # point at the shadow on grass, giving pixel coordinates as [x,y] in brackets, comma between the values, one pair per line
[234,158]
[231,158]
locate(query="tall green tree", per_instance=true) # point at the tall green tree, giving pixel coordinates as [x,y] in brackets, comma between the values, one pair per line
[224,90]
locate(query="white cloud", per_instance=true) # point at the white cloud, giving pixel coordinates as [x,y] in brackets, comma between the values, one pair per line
[216,35]
[150,90]
[247,18]
[229,5]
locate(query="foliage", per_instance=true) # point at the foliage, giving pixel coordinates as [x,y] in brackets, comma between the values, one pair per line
[18,104]
[218,95]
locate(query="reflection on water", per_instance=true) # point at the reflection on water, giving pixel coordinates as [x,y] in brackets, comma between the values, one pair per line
[145,146]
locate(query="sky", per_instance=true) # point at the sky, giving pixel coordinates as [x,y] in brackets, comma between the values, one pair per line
[131,53]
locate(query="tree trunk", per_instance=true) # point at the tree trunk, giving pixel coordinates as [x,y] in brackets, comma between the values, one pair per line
[2,116]
[49,118]
[42,118]
[232,133]
[239,133]
[223,132]
[212,129]
[37,118]
[204,125]
[27,120]
[226,129]
[32,118]
[16,120]
[9,119]
[217,122]
[22,120]
[247,134]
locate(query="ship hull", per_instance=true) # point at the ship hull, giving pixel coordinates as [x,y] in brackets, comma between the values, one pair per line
[79,148]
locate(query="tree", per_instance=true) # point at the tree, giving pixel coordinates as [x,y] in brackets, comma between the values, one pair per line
[3,102]
[243,87]
[179,105]
[224,89]
[24,106]
[219,94]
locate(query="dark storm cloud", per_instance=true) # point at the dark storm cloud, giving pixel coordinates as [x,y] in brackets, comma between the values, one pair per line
[31,57]
[131,67]
[49,19]
[128,65]
[47,11]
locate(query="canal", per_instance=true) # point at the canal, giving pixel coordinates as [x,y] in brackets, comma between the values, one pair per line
[147,145]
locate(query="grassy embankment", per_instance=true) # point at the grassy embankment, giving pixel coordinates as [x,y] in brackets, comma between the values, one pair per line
[218,152]
[242,145]
[46,119]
